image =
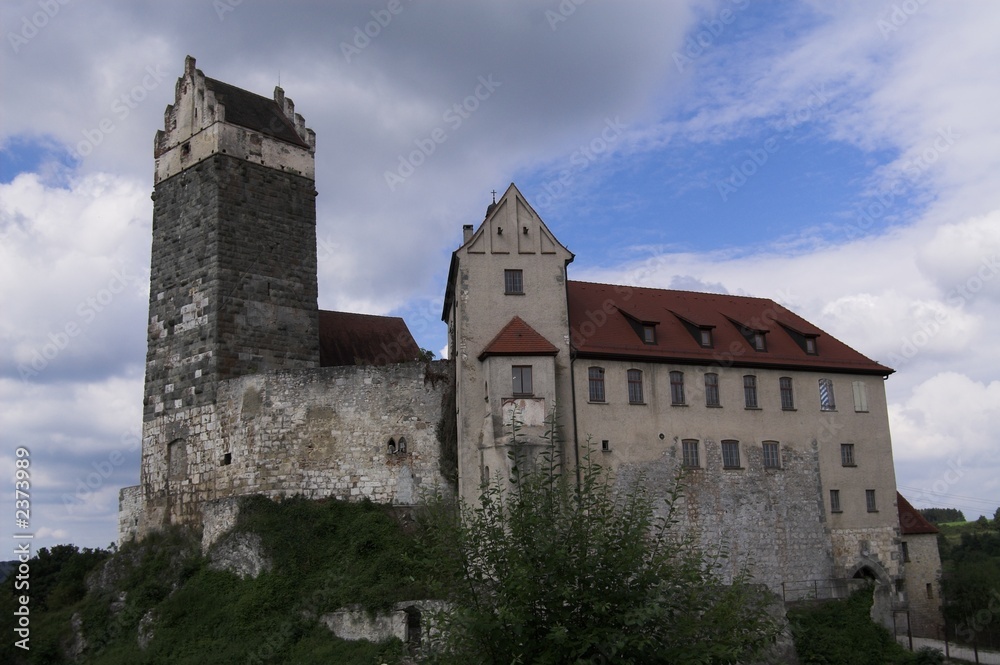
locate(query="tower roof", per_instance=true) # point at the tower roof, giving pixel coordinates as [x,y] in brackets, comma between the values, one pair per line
[256,112]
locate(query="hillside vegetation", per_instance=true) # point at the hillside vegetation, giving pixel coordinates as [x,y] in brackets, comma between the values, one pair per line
[324,555]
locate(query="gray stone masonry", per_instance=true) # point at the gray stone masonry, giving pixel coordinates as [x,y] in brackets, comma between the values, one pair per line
[342,432]
[233,280]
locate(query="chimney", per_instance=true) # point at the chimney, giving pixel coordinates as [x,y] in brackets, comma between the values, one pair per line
[466,233]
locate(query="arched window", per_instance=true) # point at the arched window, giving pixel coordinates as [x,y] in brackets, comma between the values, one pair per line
[391,447]
[402,445]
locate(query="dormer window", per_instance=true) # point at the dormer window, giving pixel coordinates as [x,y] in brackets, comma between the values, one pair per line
[806,341]
[706,337]
[649,334]
[756,338]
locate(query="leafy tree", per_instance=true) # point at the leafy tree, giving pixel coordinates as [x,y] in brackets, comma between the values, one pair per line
[938,515]
[972,600]
[549,570]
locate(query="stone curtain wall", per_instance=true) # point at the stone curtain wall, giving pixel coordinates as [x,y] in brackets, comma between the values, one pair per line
[326,433]
[318,433]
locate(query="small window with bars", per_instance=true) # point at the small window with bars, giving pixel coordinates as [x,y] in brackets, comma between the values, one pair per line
[712,389]
[521,380]
[787,395]
[595,376]
[772,455]
[513,282]
[835,501]
[750,391]
[677,388]
[870,501]
[635,386]
[847,454]
[731,454]
[689,449]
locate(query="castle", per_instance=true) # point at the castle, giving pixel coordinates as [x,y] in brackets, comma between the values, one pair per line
[779,431]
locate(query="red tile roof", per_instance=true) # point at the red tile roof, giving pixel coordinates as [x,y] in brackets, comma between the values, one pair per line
[606,322]
[517,338]
[364,339]
[911,522]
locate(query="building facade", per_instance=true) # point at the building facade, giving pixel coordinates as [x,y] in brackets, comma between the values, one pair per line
[777,431]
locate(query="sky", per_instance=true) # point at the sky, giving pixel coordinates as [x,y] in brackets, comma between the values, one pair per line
[840,158]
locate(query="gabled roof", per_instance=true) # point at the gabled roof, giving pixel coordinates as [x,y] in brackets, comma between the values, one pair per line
[517,338]
[363,339]
[253,111]
[514,212]
[600,328]
[911,522]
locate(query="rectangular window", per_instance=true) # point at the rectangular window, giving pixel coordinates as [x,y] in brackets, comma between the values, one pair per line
[930,590]
[750,391]
[847,454]
[826,400]
[860,396]
[634,386]
[835,501]
[787,396]
[712,390]
[706,337]
[522,379]
[605,445]
[811,345]
[677,388]
[870,501]
[690,450]
[731,454]
[596,377]
[758,342]
[906,551]
[513,282]
[772,455]
[649,334]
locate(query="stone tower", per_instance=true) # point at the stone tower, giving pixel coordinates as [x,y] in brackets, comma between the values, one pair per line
[233,273]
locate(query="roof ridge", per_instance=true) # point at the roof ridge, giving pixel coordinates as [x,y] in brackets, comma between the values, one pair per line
[656,288]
